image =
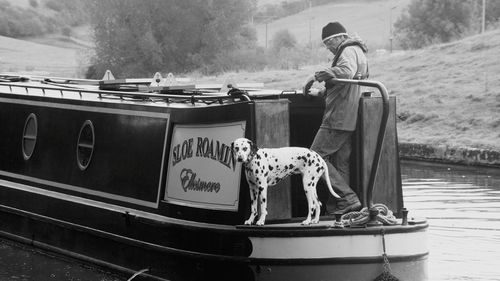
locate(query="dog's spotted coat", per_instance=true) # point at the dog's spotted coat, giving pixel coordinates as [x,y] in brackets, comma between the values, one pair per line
[267,166]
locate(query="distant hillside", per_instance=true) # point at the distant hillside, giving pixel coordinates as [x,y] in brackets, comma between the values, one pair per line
[370,19]
[19,3]
[22,18]
[26,57]
[447,94]
[267,2]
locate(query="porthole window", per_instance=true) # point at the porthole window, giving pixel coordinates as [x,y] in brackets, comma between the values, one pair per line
[29,136]
[85,145]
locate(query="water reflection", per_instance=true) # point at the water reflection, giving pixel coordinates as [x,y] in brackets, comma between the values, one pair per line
[22,262]
[462,205]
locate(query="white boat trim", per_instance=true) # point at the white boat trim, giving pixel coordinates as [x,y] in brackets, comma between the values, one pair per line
[340,246]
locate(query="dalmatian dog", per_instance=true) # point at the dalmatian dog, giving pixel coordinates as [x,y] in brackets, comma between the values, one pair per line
[267,166]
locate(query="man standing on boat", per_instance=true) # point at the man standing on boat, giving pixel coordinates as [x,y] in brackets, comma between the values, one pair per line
[333,139]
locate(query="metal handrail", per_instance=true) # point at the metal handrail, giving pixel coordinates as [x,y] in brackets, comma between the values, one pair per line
[381,131]
[121,94]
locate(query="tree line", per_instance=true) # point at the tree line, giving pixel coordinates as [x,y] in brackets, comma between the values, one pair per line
[135,37]
[439,21]
[49,16]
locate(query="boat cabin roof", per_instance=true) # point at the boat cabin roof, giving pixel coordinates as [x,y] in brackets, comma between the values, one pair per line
[152,92]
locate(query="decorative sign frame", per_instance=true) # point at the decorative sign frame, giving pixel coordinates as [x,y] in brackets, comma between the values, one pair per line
[202,169]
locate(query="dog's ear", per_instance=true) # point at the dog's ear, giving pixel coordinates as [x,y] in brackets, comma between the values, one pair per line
[232,146]
[253,146]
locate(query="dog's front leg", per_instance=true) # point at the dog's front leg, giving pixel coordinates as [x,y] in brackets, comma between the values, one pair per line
[253,197]
[263,204]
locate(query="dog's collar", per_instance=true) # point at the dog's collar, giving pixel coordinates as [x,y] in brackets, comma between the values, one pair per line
[251,156]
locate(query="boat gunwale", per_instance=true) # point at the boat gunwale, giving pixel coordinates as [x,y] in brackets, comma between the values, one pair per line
[271,230]
[193,254]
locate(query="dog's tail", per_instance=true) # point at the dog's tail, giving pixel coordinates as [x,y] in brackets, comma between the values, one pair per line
[326,177]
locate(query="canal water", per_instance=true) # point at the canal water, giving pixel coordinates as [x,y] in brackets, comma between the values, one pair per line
[23,263]
[462,205]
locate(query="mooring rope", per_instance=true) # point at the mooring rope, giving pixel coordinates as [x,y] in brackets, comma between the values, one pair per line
[138,273]
[359,218]
[386,274]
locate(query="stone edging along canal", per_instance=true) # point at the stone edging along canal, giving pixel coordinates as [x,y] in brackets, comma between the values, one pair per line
[447,154]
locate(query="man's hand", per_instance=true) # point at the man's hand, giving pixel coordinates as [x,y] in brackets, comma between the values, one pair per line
[324,75]
[314,92]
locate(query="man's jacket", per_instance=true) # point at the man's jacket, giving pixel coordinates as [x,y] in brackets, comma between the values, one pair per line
[342,100]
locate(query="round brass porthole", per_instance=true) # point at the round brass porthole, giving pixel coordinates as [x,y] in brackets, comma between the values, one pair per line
[29,136]
[85,145]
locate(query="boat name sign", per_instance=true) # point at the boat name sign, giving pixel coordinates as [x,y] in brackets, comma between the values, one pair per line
[202,171]
[206,148]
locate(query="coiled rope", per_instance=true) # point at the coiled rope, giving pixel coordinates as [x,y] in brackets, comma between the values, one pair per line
[361,218]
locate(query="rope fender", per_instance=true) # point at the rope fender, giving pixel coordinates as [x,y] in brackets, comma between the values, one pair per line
[360,218]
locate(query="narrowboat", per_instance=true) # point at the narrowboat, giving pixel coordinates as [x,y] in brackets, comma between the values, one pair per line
[137,175]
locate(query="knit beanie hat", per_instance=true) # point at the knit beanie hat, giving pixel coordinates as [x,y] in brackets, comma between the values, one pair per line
[333,29]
